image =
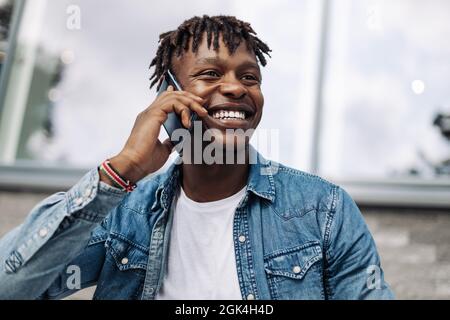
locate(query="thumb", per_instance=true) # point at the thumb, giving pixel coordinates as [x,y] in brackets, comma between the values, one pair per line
[170,88]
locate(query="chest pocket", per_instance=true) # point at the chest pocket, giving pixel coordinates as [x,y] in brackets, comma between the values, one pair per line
[295,273]
[127,255]
[124,270]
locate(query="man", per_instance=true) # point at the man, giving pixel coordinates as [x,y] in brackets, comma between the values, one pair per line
[222,230]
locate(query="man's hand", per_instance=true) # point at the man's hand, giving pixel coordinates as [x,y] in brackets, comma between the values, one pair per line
[143,153]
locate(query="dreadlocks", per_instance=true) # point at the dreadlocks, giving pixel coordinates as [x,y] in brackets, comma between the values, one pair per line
[176,42]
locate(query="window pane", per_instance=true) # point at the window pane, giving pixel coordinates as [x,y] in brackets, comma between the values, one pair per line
[6,9]
[88,84]
[387,83]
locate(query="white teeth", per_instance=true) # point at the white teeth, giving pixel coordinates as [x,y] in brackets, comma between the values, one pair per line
[223,114]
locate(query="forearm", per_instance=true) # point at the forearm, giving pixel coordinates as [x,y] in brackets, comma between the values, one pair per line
[55,232]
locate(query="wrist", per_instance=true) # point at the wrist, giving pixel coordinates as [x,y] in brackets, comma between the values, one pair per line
[127,168]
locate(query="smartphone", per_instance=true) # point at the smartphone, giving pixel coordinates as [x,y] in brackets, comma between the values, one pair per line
[173,121]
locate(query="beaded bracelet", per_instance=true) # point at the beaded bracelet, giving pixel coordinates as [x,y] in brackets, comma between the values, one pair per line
[115,177]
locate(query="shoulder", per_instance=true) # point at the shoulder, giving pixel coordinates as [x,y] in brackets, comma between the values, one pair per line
[302,188]
[299,193]
[299,176]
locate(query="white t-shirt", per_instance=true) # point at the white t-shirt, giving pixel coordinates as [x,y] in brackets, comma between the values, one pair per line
[201,262]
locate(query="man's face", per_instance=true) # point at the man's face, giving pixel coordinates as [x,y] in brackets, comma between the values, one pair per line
[230,84]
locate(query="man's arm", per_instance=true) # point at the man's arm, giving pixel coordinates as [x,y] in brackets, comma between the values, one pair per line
[36,255]
[353,269]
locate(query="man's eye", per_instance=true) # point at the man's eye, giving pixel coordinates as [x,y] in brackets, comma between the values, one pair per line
[250,77]
[210,73]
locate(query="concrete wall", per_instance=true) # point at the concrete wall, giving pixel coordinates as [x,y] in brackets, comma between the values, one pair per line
[414,245]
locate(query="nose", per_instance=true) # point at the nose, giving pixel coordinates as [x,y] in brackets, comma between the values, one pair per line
[233,88]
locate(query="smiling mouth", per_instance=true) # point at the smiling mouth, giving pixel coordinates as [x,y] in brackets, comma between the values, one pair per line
[227,119]
[230,115]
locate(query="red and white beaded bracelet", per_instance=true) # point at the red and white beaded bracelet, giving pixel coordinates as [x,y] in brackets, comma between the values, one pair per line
[115,177]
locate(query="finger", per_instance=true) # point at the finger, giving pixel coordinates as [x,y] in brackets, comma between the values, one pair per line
[183,111]
[186,117]
[170,88]
[191,95]
[168,102]
[193,105]
[185,96]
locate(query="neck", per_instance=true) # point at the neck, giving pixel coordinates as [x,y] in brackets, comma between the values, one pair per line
[205,183]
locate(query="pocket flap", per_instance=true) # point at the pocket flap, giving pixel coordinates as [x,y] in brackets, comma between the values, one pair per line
[126,254]
[293,262]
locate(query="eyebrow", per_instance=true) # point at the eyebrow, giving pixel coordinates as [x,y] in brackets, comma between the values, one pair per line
[219,61]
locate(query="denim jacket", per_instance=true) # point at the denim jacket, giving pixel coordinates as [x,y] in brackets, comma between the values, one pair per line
[296,236]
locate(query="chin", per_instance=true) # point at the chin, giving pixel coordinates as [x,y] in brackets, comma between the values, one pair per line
[230,147]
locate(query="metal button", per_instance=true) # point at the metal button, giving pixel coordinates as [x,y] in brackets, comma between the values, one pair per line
[158,235]
[242,238]
[87,192]
[124,261]
[296,269]
[250,297]
[43,232]
[150,290]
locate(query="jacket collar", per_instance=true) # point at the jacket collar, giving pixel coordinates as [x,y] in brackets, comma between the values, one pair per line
[260,180]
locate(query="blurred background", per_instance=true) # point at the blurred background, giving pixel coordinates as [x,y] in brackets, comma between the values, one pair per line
[357,91]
